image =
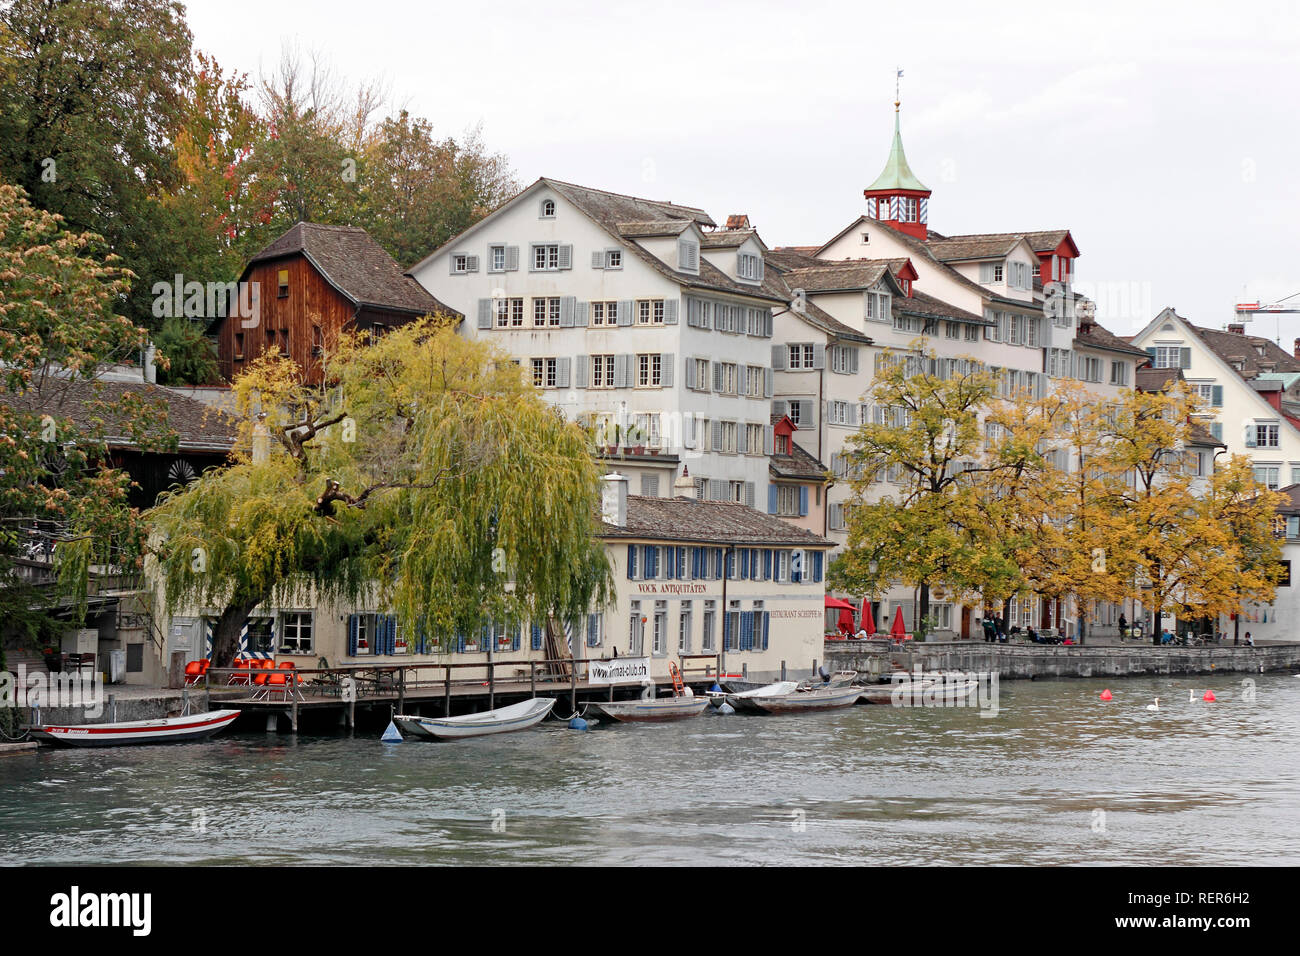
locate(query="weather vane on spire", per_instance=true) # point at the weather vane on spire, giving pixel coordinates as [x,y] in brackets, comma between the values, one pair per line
[898,75]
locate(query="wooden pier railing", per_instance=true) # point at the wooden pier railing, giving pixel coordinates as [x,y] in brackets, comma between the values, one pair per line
[364,683]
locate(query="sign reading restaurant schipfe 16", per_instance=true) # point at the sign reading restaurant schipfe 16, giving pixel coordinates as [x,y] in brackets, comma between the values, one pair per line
[621,670]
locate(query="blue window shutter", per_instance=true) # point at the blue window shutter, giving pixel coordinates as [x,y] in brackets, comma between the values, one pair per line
[1216,396]
[631,562]
[670,563]
[460,643]
[515,637]
[767,564]
[537,636]
[717,563]
[392,634]
[817,559]
[485,638]
[695,562]
[771,499]
[767,620]
[746,630]
[803,499]
[744,563]
[353,628]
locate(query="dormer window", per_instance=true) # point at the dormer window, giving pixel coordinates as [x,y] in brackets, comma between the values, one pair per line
[907,287]
[462,264]
[749,267]
[688,256]
[997,272]
[548,209]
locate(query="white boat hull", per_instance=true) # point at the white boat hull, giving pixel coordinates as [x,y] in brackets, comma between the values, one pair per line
[166,730]
[800,701]
[503,720]
[661,708]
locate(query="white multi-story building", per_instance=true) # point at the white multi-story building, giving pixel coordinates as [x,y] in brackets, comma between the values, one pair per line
[1250,386]
[639,317]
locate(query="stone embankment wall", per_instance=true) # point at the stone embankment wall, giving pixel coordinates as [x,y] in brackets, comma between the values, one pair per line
[1027,662]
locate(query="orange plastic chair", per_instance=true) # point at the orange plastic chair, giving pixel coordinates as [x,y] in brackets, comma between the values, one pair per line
[195,670]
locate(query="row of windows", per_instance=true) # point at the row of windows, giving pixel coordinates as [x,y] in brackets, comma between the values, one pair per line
[728,317]
[541,312]
[652,562]
[746,630]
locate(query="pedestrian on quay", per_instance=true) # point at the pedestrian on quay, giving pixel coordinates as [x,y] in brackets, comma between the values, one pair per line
[1250,641]
[1123,626]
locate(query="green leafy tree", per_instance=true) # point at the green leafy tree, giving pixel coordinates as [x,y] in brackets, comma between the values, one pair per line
[188,356]
[430,472]
[90,99]
[62,504]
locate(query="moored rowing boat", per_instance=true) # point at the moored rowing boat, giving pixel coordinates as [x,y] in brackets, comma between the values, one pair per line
[165,730]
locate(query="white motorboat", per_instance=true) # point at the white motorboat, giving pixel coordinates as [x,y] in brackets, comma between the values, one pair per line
[655,708]
[801,699]
[503,720]
[165,730]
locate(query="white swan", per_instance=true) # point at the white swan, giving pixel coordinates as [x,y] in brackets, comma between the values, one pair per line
[1155,706]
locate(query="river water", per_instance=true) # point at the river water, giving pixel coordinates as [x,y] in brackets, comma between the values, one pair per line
[1057,777]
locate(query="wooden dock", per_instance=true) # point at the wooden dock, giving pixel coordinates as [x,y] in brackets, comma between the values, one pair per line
[338,697]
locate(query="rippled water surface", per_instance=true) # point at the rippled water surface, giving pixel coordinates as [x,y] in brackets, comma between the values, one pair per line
[1056,777]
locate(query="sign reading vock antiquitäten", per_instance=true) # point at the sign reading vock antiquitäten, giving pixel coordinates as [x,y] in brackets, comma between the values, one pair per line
[621,670]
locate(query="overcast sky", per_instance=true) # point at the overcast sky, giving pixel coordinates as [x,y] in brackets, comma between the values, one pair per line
[1165,137]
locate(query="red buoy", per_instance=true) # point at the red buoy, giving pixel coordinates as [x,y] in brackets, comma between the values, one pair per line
[1209,695]
[1105,694]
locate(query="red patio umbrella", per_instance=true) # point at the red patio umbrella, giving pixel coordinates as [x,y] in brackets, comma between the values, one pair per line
[867,621]
[846,620]
[899,630]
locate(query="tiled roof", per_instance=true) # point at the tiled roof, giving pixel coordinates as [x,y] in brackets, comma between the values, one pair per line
[1198,434]
[356,265]
[927,305]
[197,426]
[608,210]
[708,522]
[919,250]
[957,249]
[663,227]
[1239,348]
[844,275]
[1093,336]
[1156,379]
[1040,240]
[798,464]
[774,281]
[1291,506]
[726,238]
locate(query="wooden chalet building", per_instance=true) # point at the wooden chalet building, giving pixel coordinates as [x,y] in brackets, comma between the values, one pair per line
[309,285]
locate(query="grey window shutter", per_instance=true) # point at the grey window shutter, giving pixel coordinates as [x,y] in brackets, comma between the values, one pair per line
[582,366]
[622,370]
[485,313]
[580,312]
[626,309]
[769,324]
[688,429]
[717,490]
[767,383]
[1216,396]
[853,361]
[670,312]
[819,356]
[769,440]
[471,263]
[598,260]
[666,361]
[720,316]
[566,257]
[512,258]
[986,272]
[717,376]
[562,366]
[690,373]
[566,311]
[532,258]
[779,354]
[1185,358]
[781,408]
[716,444]
[742,439]
[749,494]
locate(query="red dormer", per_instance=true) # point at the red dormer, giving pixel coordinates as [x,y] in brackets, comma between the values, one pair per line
[782,435]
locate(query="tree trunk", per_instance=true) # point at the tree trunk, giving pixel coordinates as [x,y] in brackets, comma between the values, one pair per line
[225,633]
[924,625]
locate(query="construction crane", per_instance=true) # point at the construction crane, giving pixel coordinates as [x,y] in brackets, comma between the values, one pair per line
[1248,310]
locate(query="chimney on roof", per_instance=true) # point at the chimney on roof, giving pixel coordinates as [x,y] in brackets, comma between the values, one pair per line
[740,221]
[1237,328]
[150,368]
[684,486]
[613,500]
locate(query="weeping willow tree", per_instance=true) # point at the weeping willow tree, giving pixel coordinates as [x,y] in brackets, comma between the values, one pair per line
[428,477]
